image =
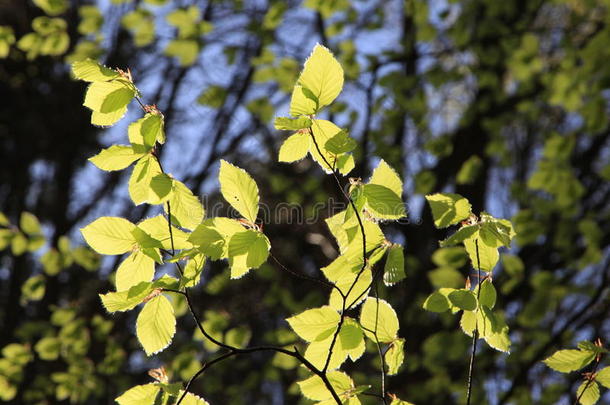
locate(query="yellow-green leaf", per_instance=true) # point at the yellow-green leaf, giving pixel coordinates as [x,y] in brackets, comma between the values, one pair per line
[315,324]
[116,157]
[239,189]
[137,267]
[295,147]
[110,235]
[322,75]
[448,209]
[248,249]
[186,209]
[566,361]
[395,356]
[143,172]
[91,71]
[156,325]
[378,316]
[140,395]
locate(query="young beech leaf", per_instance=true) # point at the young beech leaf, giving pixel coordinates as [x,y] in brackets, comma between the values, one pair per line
[315,324]
[566,361]
[292,124]
[603,377]
[394,270]
[436,302]
[213,236]
[191,399]
[156,325]
[295,147]
[108,97]
[110,235]
[482,256]
[323,131]
[448,209]
[349,343]
[357,293]
[158,228]
[116,157]
[140,189]
[382,202]
[186,209]
[140,394]
[136,268]
[101,119]
[588,392]
[322,75]
[248,249]
[300,104]
[378,316]
[384,175]
[239,190]
[395,356]
[314,388]
[91,71]
[340,143]
[462,234]
[463,299]
[488,294]
[126,300]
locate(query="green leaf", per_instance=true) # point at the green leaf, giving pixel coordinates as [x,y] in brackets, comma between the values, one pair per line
[385,176]
[108,97]
[603,377]
[488,294]
[314,388]
[588,391]
[448,209]
[322,131]
[462,234]
[382,202]
[151,129]
[436,302]
[186,209]
[48,348]
[91,71]
[192,399]
[116,157]
[248,249]
[126,300]
[140,395]
[378,316]
[301,104]
[395,356]
[322,75]
[340,143]
[566,361]
[295,147]
[140,189]
[158,228]
[144,240]
[161,185]
[358,292]
[239,190]
[463,299]
[29,224]
[292,124]
[110,235]
[156,325]
[33,289]
[315,324]
[137,267]
[213,236]
[107,119]
[398,401]
[485,257]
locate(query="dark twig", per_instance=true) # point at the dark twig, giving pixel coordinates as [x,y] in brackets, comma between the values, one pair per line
[475,333]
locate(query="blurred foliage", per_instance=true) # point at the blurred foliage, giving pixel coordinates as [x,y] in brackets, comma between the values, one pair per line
[503,102]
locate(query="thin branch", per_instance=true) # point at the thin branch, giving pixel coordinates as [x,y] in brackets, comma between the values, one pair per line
[590,378]
[475,333]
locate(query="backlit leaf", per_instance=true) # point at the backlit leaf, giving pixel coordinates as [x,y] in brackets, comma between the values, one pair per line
[322,75]
[156,325]
[378,316]
[110,235]
[239,190]
[116,157]
[448,209]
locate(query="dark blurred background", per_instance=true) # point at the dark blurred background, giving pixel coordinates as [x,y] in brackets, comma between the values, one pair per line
[504,102]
